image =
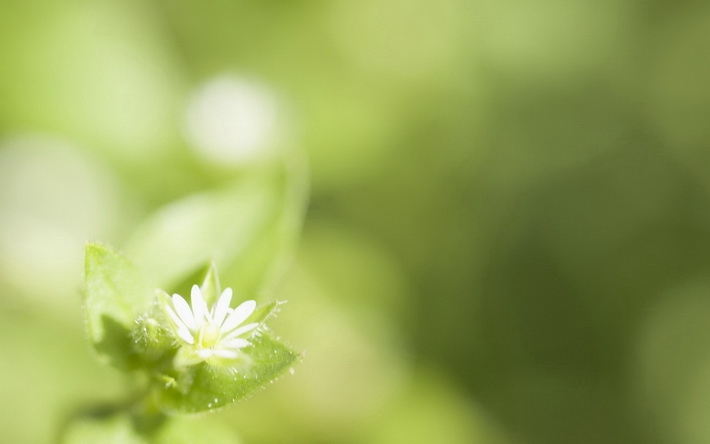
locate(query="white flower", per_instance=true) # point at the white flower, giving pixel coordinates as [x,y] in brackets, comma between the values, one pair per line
[209,334]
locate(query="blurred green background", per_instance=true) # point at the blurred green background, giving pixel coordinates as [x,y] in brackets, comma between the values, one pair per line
[507,238]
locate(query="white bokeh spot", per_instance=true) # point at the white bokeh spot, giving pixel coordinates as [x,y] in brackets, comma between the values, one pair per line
[232,120]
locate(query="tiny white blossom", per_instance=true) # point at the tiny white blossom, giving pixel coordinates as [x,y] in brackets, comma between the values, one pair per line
[209,334]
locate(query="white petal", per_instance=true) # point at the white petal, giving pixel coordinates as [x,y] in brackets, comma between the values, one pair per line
[176,319]
[238,316]
[182,330]
[235,343]
[241,330]
[204,353]
[185,335]
[199,307]
[222,353]
[183,310]
[222,307]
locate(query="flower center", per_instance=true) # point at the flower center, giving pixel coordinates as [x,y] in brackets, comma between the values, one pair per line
[209,335]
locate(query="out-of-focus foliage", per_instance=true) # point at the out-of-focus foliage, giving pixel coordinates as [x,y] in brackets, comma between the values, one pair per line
[508,237]
[119,429]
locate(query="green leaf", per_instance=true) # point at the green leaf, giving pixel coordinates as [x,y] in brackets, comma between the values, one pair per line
[260,267]
[115,295]
[211,289]
[247,228]
[263,312]
[216,225]
[206,387]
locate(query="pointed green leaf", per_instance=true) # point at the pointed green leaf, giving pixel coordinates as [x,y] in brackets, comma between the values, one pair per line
[211,289]
[263,312]
[259,268]
[115,295]
[248,229]
[206,387]
[216,225]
